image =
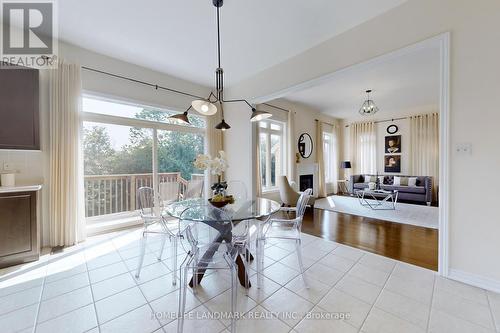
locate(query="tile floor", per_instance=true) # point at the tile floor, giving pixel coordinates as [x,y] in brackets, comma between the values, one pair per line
[92,288]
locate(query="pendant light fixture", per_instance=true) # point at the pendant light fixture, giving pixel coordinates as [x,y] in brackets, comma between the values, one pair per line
[208,106]
[368,108]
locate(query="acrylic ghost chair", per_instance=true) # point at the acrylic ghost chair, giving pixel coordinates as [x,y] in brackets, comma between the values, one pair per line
[283,229]
[216,252]
[151,213]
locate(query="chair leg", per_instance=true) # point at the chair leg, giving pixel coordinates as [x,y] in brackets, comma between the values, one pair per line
[182,298]
[259,268]
[162,246]
[174,263]
[234,292]
[143,251]
[301,264]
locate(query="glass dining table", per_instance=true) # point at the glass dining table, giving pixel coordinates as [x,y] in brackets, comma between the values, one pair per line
[240,211]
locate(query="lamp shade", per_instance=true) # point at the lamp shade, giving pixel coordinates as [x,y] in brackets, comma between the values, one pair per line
[259,115]
[346,165]
[222,125]
[204,107]
[181,118]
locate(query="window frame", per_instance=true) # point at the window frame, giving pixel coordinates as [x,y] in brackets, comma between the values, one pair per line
[268,132]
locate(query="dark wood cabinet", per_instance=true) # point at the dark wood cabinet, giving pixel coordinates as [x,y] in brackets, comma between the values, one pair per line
[19,108]
[19,232]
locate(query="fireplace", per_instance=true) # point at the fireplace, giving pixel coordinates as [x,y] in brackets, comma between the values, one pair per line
[305,182]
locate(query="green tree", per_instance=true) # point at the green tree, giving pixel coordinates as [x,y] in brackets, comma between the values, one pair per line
[98,151]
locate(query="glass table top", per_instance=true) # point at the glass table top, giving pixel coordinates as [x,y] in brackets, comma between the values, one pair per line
[239,211]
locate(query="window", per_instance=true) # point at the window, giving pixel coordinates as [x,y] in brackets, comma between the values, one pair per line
[272,152]
[121,142]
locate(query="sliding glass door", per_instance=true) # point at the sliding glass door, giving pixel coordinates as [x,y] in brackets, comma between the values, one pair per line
[126,147]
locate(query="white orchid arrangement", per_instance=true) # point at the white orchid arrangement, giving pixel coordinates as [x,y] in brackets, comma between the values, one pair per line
[217,165]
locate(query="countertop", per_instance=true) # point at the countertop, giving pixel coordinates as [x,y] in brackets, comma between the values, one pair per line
[20,188]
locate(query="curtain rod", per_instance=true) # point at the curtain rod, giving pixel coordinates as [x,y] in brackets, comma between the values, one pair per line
[385,121]
[276,107]
[324,122]
[156,86]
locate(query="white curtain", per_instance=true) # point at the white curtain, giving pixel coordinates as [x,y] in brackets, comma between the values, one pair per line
[258,174]
[335,157]
[214,143]
[320,160]
[363,146]
[291,146]
[424,147]
[67,220]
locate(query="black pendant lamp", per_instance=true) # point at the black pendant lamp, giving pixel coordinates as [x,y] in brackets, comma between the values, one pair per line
[208,106]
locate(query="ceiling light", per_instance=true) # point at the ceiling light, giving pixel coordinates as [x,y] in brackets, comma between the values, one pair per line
[204,107]
[368,108]
[207,106]
[180,118]
[259,115]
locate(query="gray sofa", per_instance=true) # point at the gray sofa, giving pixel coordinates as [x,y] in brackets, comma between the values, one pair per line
[422,193]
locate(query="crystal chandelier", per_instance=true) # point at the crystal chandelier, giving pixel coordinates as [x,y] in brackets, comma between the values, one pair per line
[368,108]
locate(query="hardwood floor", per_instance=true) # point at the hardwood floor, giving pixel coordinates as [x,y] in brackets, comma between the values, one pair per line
[411,244]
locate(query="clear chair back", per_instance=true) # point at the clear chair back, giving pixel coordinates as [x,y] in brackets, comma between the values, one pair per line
[302,202]
[169,191]
[194,189]
[145,200]
[213,234]
[237,189]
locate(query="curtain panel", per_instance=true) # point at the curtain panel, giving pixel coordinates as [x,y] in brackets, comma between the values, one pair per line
[213,144]
[424,147]
[363,146]
[291,146]
[66,202]
[335,157]
[320,160]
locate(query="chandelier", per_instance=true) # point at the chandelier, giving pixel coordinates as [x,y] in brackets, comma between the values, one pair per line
[368,108]
[208,106]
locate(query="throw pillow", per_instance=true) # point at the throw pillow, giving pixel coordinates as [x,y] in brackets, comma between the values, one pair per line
[412,181]
[400,181]
[381,179]
[369,179]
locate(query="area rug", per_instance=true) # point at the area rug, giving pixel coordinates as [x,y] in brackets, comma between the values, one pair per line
[422,216]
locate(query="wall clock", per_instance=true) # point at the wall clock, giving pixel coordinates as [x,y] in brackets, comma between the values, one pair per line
[392,129]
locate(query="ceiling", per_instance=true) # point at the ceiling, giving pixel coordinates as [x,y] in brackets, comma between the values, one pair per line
[401,86]
[179,37]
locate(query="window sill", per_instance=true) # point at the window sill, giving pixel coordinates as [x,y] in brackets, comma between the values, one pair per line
[270,190]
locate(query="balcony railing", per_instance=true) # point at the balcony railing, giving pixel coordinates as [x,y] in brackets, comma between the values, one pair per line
[110,194]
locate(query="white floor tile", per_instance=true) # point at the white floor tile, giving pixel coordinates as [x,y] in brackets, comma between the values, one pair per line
[313,292]
[139,320]
[158,287]
[21,299]
[494,300]
[412,272]
[18,283]
[167,307]
[80,320]
[151,272]
[276,253]
[312,324]
[107,272]
[337,262]
[312,252]
[149,259]
[419,290]
[348,252]
[405,308]
[465,291]
[257,320]
[266,289]
[378,262]
[337,301]
[379,321]
[324,274]
[369,274]
[358,288]
[65,303]
[463,308]
[198,322]
[104,260]
[63,286]
[280,273]
[222,304]
[441,322]
[286,302]
[18,320]
[112,286]
[292,261]
[119,304]
[61,271]
[211,285]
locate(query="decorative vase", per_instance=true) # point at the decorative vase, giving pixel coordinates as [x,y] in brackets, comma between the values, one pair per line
[220,187]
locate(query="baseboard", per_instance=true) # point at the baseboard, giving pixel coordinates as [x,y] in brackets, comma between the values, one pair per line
[475,280]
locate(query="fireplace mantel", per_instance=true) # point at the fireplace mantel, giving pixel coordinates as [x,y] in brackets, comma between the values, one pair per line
[304,169]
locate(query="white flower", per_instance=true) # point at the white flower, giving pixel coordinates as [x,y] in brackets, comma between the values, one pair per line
[202,162]
[217,165]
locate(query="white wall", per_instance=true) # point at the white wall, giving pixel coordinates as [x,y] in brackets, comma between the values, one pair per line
[33,167]
[474,117]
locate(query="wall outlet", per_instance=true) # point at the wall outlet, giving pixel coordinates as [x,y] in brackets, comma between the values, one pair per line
[7,166]
[463,148]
